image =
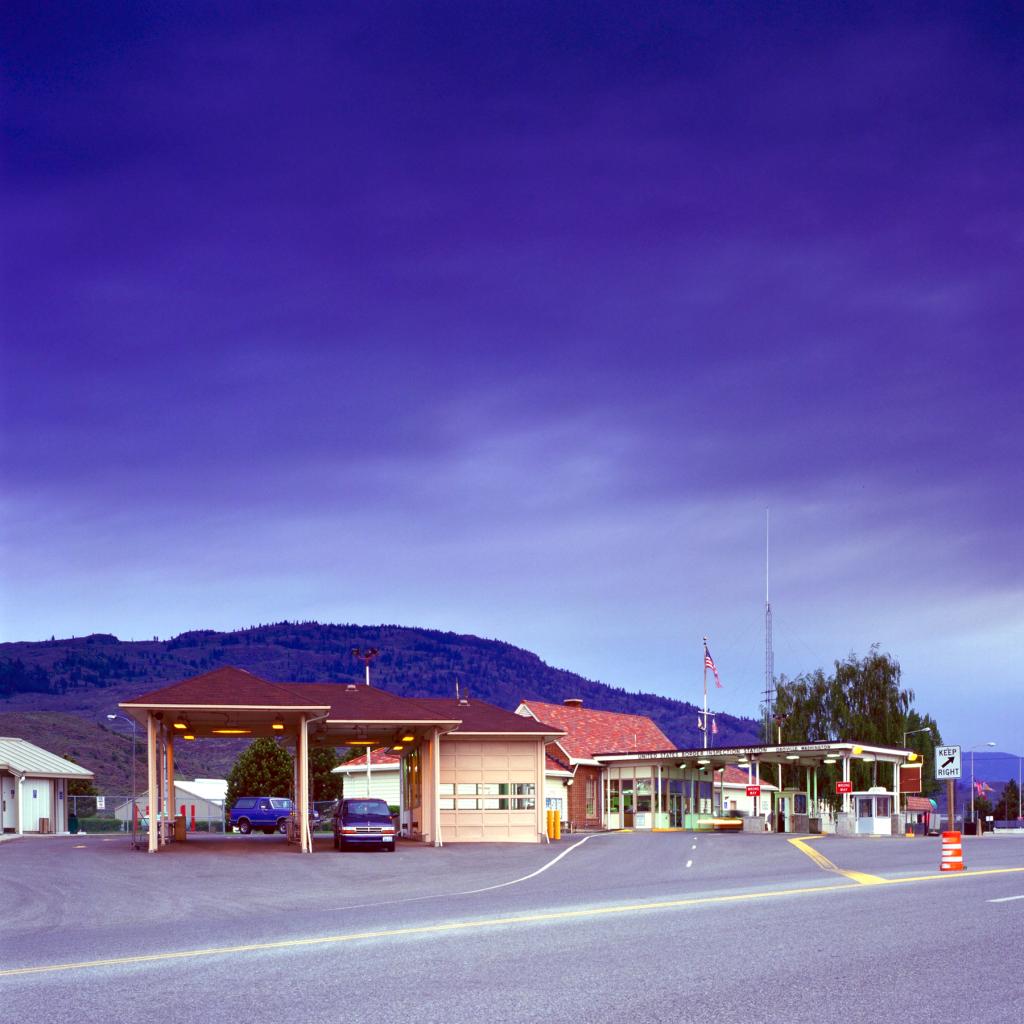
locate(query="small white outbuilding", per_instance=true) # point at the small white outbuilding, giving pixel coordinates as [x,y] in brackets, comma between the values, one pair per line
[33,787]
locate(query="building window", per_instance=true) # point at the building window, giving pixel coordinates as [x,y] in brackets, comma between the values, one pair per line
[487,796]
[800,803]
[643,796]
[591,797]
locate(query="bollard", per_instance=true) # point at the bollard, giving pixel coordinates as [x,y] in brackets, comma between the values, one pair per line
[952,852]
[193,806]
[558,824]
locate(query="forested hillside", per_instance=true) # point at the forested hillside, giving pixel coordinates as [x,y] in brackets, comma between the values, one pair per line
[87,676]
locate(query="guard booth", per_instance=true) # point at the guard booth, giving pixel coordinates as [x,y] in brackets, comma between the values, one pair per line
[873,812]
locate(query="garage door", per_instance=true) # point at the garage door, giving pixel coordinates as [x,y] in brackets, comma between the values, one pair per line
[488,792]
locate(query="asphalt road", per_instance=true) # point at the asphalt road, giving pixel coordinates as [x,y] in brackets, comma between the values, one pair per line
[642,927]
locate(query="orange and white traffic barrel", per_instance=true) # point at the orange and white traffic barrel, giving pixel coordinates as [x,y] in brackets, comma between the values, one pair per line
[952,852]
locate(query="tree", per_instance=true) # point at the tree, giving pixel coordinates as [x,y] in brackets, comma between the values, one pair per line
[79,787]
[1008,807]
[323,784]
[262,769]
[861,700]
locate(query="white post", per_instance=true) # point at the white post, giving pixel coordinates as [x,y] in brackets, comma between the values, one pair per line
[435,757]
[152,779]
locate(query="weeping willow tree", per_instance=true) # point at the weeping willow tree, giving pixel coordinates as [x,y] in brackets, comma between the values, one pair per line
[862,701]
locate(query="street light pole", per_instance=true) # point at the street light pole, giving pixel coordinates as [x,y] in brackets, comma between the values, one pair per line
[131,722]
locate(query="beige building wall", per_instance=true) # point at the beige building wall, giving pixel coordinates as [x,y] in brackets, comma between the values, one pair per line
[491,790]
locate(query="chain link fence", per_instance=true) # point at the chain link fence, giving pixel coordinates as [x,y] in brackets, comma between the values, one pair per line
[114,814]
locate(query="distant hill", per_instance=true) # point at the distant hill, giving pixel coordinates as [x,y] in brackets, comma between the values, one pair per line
[58,682]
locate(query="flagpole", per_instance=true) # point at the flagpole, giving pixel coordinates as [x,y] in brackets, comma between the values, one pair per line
[705,726]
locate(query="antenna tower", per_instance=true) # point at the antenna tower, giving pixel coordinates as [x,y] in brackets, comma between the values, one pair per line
[768,697]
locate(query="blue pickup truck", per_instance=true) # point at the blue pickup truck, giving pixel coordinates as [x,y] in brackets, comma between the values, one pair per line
[269,813]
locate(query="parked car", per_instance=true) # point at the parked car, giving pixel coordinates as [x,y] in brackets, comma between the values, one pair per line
[363,821]
[268,813]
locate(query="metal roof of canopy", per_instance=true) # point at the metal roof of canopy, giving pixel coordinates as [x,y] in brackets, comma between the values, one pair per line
[804,754]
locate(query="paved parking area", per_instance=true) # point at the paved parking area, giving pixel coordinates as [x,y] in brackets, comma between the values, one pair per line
[500,932]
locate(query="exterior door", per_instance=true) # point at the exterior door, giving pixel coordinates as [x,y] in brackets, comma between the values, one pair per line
[865,815]
[627,803]
[675,808]
[8,803]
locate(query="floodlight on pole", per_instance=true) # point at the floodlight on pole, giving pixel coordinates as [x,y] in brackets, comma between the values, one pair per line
[910,732]
[366,655]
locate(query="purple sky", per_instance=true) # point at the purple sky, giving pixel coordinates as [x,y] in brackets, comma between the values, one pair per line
[512,320]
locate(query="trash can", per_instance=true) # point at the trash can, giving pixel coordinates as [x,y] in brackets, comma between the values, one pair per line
[73,824]
[179,829]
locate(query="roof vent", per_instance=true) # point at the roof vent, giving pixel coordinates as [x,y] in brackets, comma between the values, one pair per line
[463,701]
[350,686]
[573,702]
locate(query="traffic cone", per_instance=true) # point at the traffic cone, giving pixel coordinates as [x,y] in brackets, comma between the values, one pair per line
[952,852]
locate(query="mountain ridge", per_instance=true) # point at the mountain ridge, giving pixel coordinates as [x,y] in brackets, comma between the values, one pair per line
[86,677]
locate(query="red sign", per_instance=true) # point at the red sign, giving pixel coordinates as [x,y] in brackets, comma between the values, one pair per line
[844,787]
[753,790]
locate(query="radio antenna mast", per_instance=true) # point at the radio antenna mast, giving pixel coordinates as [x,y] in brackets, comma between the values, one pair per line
[769,653]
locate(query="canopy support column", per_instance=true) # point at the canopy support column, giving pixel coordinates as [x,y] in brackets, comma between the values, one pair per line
[152,779]
[302,793]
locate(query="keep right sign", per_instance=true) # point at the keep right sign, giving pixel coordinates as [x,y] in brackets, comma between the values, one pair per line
[947,763]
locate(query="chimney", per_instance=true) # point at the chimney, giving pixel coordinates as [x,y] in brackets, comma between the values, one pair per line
[573,702]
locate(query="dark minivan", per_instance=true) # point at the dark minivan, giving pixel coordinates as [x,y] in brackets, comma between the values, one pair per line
[363,821]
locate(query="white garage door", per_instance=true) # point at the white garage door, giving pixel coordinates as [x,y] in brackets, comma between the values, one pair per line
[488,792]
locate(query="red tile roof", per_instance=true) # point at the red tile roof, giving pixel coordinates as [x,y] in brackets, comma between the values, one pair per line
[920,803]
[738,777]
[380,758]
[590,732]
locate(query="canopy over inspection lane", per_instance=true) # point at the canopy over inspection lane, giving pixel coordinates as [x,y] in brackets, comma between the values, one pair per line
[704,763]
[231,702]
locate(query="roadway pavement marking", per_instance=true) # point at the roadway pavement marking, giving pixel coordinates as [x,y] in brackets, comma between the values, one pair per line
[826,865]
[494,922]
[1005,899]
[689,863]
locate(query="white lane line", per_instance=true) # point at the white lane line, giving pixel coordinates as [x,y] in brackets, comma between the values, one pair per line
[694,847]
[472,892]
[1005,899]
[689,863]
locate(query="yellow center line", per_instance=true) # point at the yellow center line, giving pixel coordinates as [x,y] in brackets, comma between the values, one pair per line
[826,865]
[493,922]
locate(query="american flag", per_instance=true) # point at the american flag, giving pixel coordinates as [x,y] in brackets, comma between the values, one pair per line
[709,662]
[714,726]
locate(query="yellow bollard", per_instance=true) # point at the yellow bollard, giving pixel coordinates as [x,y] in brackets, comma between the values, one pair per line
[551,824]
[558,824]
